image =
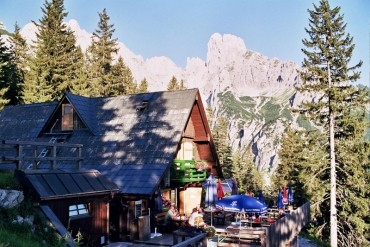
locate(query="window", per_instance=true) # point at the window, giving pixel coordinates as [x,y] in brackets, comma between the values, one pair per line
[78,209]
[186,151]
[67,117]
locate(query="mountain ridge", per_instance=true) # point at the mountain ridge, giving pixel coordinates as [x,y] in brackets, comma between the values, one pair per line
[254,92]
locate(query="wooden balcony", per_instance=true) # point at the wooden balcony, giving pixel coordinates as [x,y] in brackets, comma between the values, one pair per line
[184,171]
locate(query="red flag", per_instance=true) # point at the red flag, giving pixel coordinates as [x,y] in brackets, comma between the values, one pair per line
[220,190]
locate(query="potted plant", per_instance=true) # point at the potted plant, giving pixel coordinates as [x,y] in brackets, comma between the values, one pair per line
[210,231]
[201,165]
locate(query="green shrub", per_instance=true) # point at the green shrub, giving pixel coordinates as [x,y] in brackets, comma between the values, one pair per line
[7,180]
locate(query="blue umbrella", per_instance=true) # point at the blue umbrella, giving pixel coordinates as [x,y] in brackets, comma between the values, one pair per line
[234,190]
[279,202]
[261,197]
[211,191]
[241,203]
[290,193]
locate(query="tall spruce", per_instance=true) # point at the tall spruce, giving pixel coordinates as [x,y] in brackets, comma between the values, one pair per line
[122,80]
[175,85]
[4,72]
[249,178]
[11,77]
[327,74]
[143,86]
[20,52]
[221,137]
[100,56]
[79,81]
[54,67]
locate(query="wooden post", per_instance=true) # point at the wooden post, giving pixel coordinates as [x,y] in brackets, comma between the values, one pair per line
[79,162]
[19,162]
[34,162]
[54,155]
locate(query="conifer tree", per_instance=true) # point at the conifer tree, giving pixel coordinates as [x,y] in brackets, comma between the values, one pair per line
[55,65]
[249,178]
[80,84]
[100,55]
[20,51]
[327,73]
[174,85]
[221,137]
[143,86]
[9,78]
[4,87]
[122,80]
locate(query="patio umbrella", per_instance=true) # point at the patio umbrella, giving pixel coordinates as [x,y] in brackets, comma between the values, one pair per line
[290,193]
[261,198]
[220,190]
[285,195]
[211,195]
[211,191]
[241,203]
[234,189]
[279,202]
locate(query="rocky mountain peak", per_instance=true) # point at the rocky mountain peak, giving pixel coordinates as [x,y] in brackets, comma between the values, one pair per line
[253,91]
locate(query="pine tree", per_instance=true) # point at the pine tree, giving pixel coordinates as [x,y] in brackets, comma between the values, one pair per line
[20,50]
[3,84]
[143,86]
[122,81]
[100,55]
[220,135]
[249,178]
[79,83]
[8,79]
[327,74]
[174,85]
[54,67]
[301,155]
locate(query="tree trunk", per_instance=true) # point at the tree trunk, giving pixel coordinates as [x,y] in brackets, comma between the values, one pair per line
[333,182]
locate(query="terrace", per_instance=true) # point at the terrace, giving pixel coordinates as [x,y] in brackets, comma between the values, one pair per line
[269,230]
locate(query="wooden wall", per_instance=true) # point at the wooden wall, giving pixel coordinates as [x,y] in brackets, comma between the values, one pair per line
[284,230]
[94,228]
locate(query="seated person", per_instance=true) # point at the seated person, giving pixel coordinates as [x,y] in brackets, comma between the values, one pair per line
[281,213]
[200,210]
[171,213]
[165,201]
[196,219]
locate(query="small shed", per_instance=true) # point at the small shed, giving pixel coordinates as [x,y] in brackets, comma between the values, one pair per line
[78,199]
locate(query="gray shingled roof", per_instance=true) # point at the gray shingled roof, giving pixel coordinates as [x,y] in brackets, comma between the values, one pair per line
[119,137]
[52,184]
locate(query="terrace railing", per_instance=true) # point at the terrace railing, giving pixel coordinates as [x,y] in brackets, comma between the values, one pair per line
[24,152]
[184,171]
[286,229]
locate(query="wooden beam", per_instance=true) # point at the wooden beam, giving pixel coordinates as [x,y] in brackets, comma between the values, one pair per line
[31,158]
[33,143]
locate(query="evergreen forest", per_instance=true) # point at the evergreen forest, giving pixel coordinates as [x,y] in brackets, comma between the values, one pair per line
[327,163]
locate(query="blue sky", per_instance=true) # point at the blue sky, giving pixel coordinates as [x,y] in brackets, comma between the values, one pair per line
[181,28]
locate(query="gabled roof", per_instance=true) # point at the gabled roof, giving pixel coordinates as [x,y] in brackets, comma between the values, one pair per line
[137,134]
[24,122]
[85,110]
[53,184]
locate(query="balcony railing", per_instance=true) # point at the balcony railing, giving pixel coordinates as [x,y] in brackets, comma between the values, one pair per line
[187,171]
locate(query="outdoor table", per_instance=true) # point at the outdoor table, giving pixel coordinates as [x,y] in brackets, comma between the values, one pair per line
[241,215]
[251,223]
[180,220]
[183,234]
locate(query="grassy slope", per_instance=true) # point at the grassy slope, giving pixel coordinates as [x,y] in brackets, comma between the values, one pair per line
[20,235]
